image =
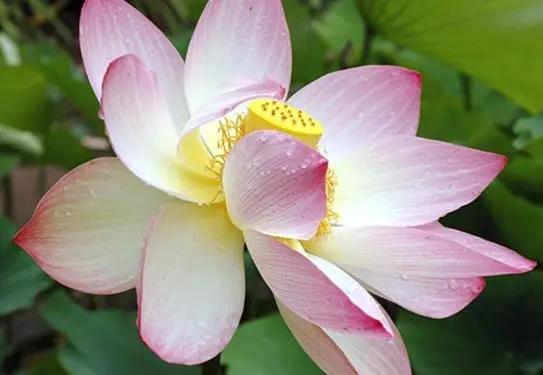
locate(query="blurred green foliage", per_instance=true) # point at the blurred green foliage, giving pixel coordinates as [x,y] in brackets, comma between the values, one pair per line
[483,87]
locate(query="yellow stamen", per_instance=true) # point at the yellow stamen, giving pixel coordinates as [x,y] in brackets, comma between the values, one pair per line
[332,217]
[229,133]
[265,114]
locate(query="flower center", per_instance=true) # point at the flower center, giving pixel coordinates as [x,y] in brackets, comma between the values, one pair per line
[265,114]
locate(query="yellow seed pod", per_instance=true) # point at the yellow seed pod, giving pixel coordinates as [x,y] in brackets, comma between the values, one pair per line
[266,114]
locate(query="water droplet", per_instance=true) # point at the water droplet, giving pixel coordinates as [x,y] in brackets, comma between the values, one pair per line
[284,168]
[152,55]
[100,114]
[404,276]
[115,17]
[453,285]
[91,192]
[67,213]
[128,16]
[201,324]
[289,153]
[263,137]
[127,40]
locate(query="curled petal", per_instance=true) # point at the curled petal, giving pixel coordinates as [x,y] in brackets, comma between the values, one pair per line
[143,134]
[112,28]
[275,184]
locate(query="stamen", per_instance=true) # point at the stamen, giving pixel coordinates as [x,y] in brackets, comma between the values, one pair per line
[229,133]
[332,217]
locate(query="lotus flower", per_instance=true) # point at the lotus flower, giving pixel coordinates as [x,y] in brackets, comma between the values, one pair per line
[332,192]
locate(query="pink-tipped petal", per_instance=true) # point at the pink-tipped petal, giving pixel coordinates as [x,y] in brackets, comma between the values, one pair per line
[338,353]
[408,181]
[113,28]
[142,132]
[422,272]
[357,106]
[192,285]
[237,40]
[87,231]
[510,261]
[315,289]
[275,184]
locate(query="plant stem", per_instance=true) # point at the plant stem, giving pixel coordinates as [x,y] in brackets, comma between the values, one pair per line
[366,47]
[7,188]
[213,366]
[466,92]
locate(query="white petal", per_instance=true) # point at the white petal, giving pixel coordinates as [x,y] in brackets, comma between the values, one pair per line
[192,285]
[88,230]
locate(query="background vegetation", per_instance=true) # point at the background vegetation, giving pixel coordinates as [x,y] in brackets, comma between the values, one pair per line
[482,65]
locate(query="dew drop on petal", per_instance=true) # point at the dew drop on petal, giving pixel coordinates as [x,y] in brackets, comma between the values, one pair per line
[453,285]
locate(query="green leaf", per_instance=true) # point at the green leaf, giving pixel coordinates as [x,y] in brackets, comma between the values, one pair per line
[524,175]
[24,103]
[45,364]
[5,347]
[529,130]
[342,28]
[74,362]
[19,140]
[535,148]
[518,221]
[489,338]
[106,341]
[181,42]
[61,71]
[7,163]
[308,48]
[20,278]
[500,42]
[266,347]
[63,148]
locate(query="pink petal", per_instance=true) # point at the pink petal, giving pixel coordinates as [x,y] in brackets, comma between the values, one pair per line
[339,353]
[407,181]
[143,134]
[422,272]
[222,103]
[87,231]
[315,289]
[192,285]
[240,40]
[113,28]
[510,261]
[275,184]
[357,106]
